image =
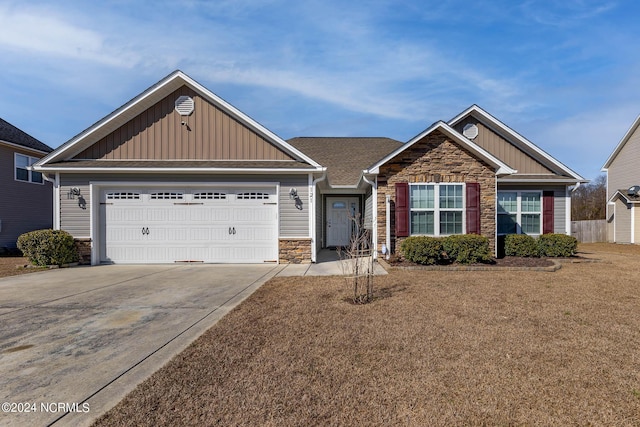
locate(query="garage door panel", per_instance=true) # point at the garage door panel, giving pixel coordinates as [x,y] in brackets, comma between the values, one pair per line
[209,226]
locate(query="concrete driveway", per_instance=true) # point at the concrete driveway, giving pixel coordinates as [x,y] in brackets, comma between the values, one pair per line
[74,341]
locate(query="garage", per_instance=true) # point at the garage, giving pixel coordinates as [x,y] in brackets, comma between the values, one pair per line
[212,224]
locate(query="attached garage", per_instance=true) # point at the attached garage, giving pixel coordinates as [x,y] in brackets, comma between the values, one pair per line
[166,224]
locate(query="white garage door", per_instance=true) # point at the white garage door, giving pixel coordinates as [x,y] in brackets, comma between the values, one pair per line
[234,225]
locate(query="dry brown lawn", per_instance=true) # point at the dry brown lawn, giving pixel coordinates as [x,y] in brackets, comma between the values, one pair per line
[436,348]
[9,266]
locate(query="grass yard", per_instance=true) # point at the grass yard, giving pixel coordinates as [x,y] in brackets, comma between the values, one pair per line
[437,348]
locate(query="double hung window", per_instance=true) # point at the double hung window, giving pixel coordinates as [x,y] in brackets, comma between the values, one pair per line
[436,209]
[520,212]
[21,163]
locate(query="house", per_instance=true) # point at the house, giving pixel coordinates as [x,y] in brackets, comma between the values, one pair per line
[27,198]
[178,174]
[623,188]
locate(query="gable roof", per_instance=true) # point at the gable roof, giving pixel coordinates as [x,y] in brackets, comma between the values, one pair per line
[147,99]
[501,167]
[621,144]
[345,157]
[14,136]
[623,194]
[517,140]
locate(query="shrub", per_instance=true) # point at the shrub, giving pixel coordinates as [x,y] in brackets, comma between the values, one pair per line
[467,248]
[48,247]
[521,245]
[557,245]
[422,249]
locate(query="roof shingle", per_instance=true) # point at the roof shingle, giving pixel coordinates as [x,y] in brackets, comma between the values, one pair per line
[10,133]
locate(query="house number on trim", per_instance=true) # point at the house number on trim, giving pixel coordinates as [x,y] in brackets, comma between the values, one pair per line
[232,230]
[145,230]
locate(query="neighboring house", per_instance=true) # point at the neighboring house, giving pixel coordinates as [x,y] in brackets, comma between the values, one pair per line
[27,202]
[623,188]
[178,174]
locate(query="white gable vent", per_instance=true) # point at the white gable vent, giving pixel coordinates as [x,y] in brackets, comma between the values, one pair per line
[184,105]
[470,131]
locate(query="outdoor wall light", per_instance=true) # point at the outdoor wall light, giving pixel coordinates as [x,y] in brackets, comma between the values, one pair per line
[293,194]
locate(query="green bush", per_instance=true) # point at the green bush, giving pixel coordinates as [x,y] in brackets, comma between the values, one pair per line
[467,248]
[422,249]
[48,247]
[521,245]
[557,245]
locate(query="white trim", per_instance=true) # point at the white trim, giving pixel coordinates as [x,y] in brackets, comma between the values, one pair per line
[621,144]
[23,147]
[633,225]
[30,160]
[374,212]
[150,97]
[567,214]
[312,217]
[437,209]
[56,202]
[501,168]
[387,226]
[501,128]
[170,169]
[96,186]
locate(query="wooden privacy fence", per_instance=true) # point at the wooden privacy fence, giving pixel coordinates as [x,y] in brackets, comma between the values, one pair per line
[589,231]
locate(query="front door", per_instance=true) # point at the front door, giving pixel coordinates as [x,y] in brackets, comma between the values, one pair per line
[342,212]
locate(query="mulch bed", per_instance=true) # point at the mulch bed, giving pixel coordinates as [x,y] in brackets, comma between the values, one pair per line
[496,262]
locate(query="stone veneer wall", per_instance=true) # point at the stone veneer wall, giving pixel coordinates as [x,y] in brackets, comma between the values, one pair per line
[294,251]
[436,159]
[84,250]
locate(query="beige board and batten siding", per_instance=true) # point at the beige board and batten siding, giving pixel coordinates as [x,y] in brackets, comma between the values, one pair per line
[503,149]
[209,133]
[622,221]
[623,171]
[559,203]
[75,219]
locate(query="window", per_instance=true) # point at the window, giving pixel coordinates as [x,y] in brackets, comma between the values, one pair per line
[22,173]
[166,196]
[519,212]
[436,209]
[123,196]
[252,196]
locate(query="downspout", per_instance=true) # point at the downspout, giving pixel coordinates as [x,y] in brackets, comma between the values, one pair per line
[374,212]
[314,227]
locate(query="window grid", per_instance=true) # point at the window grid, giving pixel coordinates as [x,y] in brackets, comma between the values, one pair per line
[209,196]
[436,209]
[252,196]
[123,196]
[21,162]
[166,196]
[520,212]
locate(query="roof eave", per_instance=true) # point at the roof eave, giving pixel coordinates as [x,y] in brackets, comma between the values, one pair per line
[621,144]
[23,147]
[172,170]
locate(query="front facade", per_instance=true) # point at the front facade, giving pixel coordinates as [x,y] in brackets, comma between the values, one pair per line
[27,197]
[179,175]
[623,188]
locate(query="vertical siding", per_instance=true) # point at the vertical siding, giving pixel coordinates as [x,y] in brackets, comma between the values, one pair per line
[24,206]
[636,217]
[158,134]
[504,150]
[292,221]
[368,212]
[622,222]
[623,171]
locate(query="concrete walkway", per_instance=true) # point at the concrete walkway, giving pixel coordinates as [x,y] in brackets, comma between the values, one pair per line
[329,264]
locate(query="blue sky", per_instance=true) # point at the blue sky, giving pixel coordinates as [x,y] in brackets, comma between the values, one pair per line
[566,75]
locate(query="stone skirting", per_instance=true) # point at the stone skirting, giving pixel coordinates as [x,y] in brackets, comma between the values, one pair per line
[84,250]
[294,251]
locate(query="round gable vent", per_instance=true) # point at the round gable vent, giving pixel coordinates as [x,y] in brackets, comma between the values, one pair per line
[184,105]
[470,131]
